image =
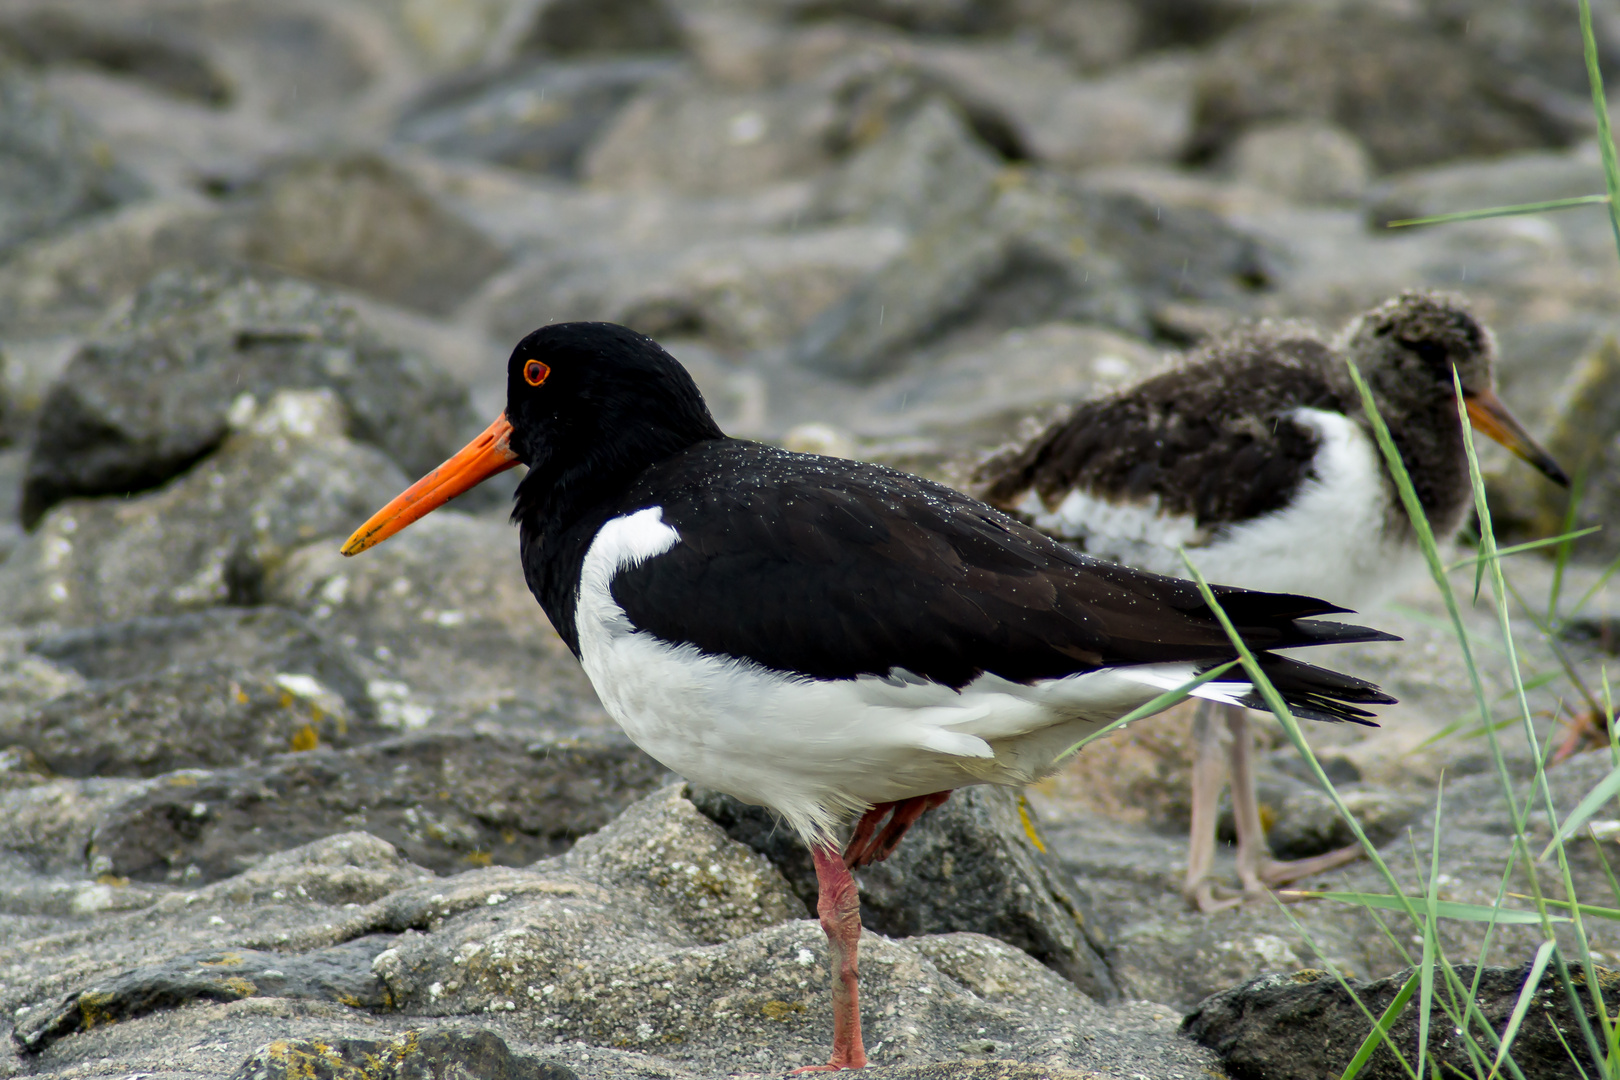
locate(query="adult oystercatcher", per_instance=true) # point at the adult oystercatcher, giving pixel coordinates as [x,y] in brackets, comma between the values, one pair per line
[1258,457]
[828,638]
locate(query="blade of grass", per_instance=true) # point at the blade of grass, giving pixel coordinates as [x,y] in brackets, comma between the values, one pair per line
[1380,1030]
[1431,925]
[1279,709]
[1499,211]
[1577,494]
[1538,967]
[1445,909]
[1539,785]
[1600,110]
[1606,789]
[1532,545]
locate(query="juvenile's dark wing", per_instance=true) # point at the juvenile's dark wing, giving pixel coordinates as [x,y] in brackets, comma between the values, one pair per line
[833,569]
[1213,440]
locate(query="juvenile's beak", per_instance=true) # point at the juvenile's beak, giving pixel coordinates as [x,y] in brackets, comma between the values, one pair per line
[470,466]
[1488,415]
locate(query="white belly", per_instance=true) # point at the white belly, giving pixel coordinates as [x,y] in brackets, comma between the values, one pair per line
[1330,541]
[817,751]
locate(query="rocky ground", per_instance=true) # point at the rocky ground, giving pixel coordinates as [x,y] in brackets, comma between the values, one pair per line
[274,813]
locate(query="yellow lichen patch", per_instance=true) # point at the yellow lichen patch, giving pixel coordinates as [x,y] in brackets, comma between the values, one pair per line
[240,986]
[1268,817]
[781,1010]
[94,1010]
[311,1059]
[1029,824]
[112,879]
[480,858]
[229,959]
[305,738]
[182,780]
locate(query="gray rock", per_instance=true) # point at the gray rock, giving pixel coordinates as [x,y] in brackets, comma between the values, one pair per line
[1306,161]
[193,717]
[1294,66]
[264,638]
[412,1055]
[210,536]
[689,137]
[1041,249]
[163,56]
[49,822]
[1535,41]
[362,222]
[65,283]
[567,959]
[52,169]
[1307,823]
[154,393]
[976,864]
[575,27]
[341,973]
[668,854]
[443,621]
[444,800]
[534,117]
[929,167]
[1306,1025]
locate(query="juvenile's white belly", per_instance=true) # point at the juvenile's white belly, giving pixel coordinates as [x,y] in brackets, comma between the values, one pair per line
[1329,542]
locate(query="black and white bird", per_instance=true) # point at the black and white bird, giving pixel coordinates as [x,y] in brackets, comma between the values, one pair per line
[1257,457]
[834,640]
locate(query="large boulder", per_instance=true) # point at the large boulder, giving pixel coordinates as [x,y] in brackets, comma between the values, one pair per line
[360,221]
[156,392]
[52,169]
[286,476]
[977,864]
[1366,70]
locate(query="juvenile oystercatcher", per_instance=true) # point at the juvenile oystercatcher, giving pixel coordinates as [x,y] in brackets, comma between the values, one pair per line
[1258,457]
[828,638]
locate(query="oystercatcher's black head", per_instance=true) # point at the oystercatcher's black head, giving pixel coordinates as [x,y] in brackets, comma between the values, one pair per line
[588,406]
[1407,349]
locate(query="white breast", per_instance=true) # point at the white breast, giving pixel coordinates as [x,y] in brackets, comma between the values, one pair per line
[818,750]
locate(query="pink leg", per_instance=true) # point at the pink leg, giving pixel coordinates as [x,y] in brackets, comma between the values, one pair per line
[840,909]
[1256,867]
[864,848]
[1208,777]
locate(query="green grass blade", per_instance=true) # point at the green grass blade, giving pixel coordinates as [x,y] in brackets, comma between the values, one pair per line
[1157,705]
[1431,932]
[1562,538]
[1606,789]
[1577,494]
[1445,909]
[1600,110]
[1585,909]
[1380,1030]
[1499,211]
[1538,967]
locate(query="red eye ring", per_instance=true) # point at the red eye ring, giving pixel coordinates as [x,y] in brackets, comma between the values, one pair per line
[534,372]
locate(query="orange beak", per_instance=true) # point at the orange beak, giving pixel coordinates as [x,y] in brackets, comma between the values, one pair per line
[474,463]
[1489,416]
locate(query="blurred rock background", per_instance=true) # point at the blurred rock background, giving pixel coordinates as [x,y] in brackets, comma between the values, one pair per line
[261,264]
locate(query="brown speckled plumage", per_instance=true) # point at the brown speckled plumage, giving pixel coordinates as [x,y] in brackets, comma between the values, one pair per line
[1214,438]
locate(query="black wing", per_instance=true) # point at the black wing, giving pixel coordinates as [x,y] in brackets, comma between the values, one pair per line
[835,569]
[1212,440]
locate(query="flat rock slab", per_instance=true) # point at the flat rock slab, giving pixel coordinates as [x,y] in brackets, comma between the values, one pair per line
[447,800]
[415,1055]
[1305,1024]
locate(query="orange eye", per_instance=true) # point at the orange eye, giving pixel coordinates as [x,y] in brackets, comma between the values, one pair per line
[534,372]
